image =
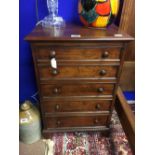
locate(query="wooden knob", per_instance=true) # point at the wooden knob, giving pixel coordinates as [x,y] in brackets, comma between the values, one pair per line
[57,107]
[56,90]
[102,72]
[98,106]
[96,121]
[100,90]
[105,54]
[58,123]
[55,72]
[52,54]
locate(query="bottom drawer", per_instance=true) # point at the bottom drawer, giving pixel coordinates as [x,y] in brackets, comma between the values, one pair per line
[75,121]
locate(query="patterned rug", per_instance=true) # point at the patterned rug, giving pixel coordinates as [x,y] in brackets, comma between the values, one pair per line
[93,143]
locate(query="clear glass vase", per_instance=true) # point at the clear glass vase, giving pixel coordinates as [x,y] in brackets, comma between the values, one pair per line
[53,20]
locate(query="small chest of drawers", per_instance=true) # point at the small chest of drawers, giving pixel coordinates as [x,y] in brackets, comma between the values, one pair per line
[79,93]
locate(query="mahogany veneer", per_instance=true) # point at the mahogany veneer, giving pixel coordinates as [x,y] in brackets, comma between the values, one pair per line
[79,94]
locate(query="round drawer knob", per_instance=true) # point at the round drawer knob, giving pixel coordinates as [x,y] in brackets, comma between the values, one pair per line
[105,54]
[56,90]
[102,72]
[100,90]
[96,121]
[98,106]
[55,72]
[57,107]
[52,54]
[58,123]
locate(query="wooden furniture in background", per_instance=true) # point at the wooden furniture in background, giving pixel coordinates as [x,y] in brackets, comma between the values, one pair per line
[127,24]
[80,93]
[127,80]
[126,117]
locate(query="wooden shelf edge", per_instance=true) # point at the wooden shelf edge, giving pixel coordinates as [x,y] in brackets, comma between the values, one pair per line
[126,117]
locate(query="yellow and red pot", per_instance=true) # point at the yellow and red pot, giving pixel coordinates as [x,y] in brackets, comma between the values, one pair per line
[98,13]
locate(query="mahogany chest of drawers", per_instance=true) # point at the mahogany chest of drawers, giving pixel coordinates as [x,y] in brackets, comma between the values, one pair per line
[78,93]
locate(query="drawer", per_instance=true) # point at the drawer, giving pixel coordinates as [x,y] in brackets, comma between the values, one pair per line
[76,106]
[75,121]
[77,71]
[44,53]
[58,90]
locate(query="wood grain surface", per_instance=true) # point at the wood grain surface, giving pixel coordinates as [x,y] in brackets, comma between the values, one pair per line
[79,94]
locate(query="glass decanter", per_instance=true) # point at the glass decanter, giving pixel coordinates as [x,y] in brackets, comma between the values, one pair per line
[53,20]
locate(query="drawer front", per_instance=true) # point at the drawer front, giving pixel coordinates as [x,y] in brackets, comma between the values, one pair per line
[75,121]
[77,53]
[76,106]
[78,71]
[57,90]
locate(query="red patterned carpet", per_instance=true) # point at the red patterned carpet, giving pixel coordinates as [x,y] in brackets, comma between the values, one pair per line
[93,143]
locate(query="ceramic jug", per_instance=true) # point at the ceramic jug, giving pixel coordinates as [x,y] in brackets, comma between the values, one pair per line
[29,123]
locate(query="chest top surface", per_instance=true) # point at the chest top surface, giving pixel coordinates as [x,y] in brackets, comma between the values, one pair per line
[77,33]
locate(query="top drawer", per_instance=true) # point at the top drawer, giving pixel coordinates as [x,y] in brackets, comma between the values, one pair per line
[46,53]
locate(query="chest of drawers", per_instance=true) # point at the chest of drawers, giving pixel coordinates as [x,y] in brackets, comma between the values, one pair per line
[79,93]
